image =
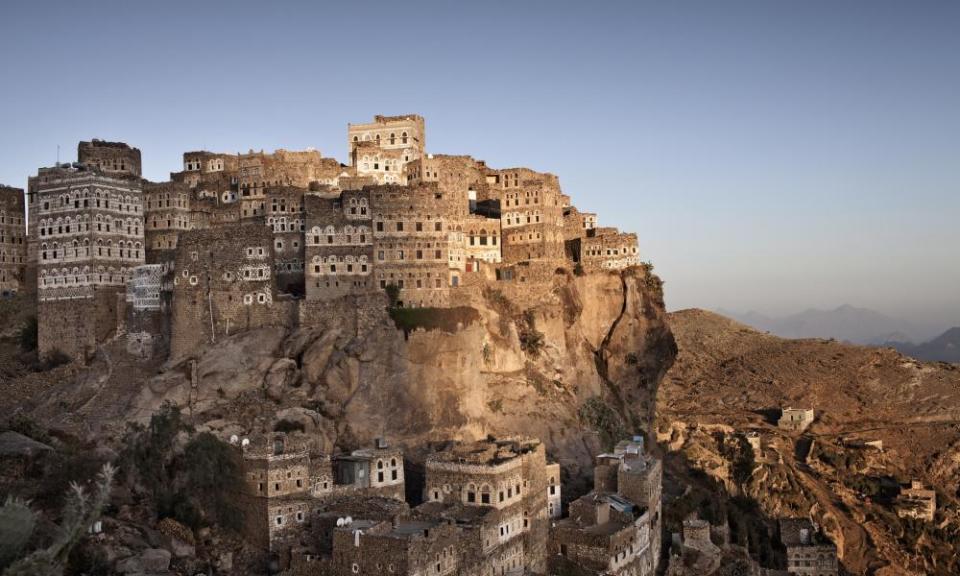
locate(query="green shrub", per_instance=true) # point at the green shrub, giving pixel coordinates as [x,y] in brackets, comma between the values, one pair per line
[531,339]
[29,334]
[17,521]
[393,295]
[599,416]
[446,319]
[81,510]
[52,359]
[211,475]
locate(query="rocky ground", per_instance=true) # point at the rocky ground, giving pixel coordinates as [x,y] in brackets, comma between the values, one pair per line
[730,379]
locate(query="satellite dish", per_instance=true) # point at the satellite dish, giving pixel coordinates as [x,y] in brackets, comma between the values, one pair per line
[234,439]
[245,443]
[339,521]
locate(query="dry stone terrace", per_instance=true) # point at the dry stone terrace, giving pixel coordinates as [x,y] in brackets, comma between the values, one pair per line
[438,228]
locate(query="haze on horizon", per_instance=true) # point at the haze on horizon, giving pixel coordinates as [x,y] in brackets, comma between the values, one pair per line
[771,157]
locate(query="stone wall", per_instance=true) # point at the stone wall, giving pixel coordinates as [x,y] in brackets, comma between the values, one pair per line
[76,327]
[224,283]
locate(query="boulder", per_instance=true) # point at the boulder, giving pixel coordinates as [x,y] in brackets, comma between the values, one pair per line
[317,355]
[155,560]
[282,374]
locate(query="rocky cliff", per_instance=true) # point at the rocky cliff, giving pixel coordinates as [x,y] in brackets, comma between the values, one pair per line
[577,366]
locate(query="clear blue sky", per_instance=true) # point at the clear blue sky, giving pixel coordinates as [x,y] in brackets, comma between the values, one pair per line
[771,155]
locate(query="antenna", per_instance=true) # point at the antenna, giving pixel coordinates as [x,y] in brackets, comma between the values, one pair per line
[58,154]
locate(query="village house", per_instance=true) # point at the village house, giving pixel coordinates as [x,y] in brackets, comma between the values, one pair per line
[795,419]
[809,553]
[615,529]
[917,502]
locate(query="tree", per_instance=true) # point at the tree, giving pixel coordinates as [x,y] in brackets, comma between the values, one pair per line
[28,334]
[393,295]
[211,475]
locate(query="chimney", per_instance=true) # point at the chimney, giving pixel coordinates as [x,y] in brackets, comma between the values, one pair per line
[381,443]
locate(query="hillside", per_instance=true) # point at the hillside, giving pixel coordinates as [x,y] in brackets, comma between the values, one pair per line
[729,379]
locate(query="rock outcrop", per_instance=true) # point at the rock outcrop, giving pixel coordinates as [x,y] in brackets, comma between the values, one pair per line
[576,368]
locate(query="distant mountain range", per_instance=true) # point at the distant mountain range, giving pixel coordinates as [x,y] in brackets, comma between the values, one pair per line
[943,348]
[860,326]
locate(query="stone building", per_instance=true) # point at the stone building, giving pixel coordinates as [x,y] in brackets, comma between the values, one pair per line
[87,235]
[531,207]
[694,553]
[382,148]
[244,178]
[290,489]
[284,211]
[498,493]
[403,547]
[166,214]
[110,157]
[616,528]
[279,476]
[339,245]
[411,231]
[439,228]
[606,249]
[917,502]
[796,419]
[13,241]
[377,470]
[224,282]
[808,552]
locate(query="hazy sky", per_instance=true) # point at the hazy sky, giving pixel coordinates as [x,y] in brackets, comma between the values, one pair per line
[771,155]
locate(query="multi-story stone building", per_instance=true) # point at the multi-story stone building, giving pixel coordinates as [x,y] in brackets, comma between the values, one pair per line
[339,245]
[498,493]
[115,158]
[223,283]
[411,231]
[87,230]
[13,244]
[403,547]
[615,529]
[808,552]
[382,148]
[289,487]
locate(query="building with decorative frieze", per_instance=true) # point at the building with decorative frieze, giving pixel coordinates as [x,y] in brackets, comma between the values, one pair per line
[87,234]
